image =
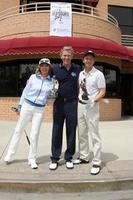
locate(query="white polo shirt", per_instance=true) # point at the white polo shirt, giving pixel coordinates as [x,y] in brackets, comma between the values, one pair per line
[94,81]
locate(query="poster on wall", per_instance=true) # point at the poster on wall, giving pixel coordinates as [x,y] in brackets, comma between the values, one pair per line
[61,19]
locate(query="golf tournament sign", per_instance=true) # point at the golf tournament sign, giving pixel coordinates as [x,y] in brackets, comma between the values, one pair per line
[61,19]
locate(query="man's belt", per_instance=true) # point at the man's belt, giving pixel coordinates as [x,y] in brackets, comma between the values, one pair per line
[66,99]
[82,102]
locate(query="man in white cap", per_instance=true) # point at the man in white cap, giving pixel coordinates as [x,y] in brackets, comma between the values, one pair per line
[92,89]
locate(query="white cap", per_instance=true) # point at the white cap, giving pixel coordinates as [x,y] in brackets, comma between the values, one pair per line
[44,60]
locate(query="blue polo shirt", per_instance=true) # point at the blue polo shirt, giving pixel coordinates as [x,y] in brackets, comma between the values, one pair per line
[68,80]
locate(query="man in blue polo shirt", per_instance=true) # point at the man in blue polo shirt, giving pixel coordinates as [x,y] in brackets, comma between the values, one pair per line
[65,108]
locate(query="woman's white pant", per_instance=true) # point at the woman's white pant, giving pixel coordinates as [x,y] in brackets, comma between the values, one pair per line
[28,112]
[88,126]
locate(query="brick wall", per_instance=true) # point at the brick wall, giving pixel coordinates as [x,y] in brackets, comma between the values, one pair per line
[86,26]
[7,114]
[6,4]
[121,3]
[37,24]
[102,4]
[110,109]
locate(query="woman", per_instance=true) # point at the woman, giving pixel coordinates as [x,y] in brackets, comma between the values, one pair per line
[31,106]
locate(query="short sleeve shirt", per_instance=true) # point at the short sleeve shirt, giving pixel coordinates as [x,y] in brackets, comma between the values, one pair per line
[68,80]
[94,81]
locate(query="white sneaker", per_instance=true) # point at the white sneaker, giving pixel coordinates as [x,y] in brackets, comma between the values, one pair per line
[33,164]
[95,169]
[7,160]
[76,161]
[69,165]
[53,165]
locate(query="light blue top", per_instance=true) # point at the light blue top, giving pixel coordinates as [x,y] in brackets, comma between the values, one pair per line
[37,90]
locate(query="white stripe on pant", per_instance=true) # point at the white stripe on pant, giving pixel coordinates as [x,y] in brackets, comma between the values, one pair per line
[88,125]
[28,112]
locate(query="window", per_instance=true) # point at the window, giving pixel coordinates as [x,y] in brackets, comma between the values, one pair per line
[124,15]
[99,67]
[25,70]
[112,77]
[14,75]
[41,6]
[8,80]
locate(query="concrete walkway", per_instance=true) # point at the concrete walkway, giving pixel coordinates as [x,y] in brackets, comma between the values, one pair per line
[116,173]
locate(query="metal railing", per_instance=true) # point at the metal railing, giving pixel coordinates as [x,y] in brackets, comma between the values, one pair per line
[45,7]
[127,40]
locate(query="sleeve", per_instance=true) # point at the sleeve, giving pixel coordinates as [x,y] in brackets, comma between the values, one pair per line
[25,91]
[101,81]
[80,78]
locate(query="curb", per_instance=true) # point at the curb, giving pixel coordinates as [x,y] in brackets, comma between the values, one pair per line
[66,187]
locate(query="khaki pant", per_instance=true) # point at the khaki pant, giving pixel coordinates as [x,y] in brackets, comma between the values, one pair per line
[88,125]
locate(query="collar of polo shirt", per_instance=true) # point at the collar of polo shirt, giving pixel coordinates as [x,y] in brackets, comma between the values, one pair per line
[89,73]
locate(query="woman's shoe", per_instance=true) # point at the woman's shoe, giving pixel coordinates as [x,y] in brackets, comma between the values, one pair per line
[33,164]
[7,160]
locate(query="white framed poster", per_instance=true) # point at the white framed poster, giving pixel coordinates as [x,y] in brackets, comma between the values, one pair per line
[61,19]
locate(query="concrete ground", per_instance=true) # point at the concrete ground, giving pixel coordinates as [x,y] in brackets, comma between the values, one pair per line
[117,195]
[116,173]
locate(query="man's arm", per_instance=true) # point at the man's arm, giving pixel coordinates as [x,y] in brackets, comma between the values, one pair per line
[100,95]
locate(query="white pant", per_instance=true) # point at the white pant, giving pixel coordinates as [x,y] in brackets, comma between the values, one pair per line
[88,126]
[27,113]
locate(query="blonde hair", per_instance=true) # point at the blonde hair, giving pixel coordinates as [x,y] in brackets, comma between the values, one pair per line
[67,48]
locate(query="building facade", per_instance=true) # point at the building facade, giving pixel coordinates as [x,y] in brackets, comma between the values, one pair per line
[105,26]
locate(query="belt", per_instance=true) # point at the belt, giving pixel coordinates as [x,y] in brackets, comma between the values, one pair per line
[34,104]
[66,99]
[82,102]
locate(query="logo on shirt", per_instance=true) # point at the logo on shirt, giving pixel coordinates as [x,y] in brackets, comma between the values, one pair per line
[73,74]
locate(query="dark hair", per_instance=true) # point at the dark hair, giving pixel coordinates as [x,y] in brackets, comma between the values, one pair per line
[89,53]
[38,71]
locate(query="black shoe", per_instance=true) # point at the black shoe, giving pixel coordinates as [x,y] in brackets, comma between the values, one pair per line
[80,161]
